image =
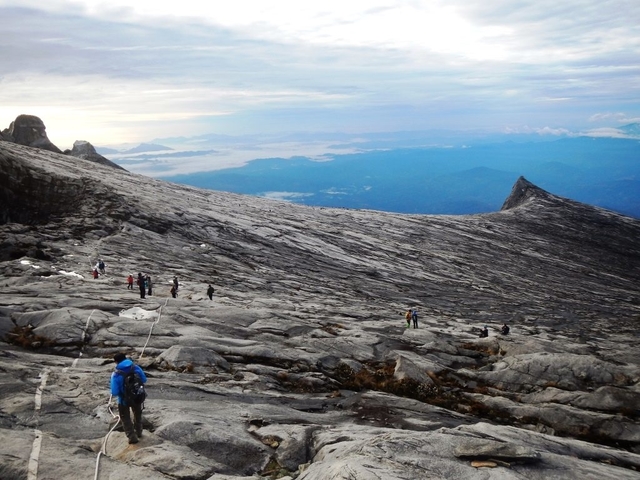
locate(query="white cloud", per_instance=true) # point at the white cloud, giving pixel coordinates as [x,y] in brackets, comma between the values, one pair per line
[618,117]
[525,129]
[126,71]
[287,196]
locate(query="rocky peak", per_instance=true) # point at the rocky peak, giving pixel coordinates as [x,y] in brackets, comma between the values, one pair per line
[30,131]
[523,191]
[83,149]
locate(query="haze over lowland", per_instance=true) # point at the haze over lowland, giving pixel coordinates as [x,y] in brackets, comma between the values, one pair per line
[412,172]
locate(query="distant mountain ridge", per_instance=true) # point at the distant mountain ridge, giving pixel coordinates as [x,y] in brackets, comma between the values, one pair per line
[632,129]
[147,147]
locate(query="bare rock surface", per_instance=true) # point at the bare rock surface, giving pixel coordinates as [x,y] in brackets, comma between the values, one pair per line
[302,365]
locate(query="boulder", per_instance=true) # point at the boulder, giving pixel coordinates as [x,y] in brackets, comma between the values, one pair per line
[30,131]
[181,357]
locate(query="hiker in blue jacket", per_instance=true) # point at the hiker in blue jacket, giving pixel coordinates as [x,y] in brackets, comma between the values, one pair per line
[123,367]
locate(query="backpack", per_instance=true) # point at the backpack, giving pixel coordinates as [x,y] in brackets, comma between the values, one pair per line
[134,392]
[408,315]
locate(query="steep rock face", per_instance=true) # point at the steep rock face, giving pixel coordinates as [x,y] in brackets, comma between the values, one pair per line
[40,193]
[29,130]
[86,151]
[302,365]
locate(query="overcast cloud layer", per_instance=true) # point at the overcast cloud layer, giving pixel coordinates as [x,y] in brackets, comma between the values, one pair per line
[129,71]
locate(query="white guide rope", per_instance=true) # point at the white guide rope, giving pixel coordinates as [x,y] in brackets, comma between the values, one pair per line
[32,469]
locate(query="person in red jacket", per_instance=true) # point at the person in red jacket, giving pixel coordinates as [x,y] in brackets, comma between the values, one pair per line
[130,282]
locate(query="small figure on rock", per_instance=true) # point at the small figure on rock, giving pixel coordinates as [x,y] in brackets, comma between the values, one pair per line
[485,332]
[130,282]
[407,317]
[505,329]
[149,285]
[175,283]
[174,292]
[95,273]
[101,266]
[414,317]
[210,291]
[127,384]
[141,285]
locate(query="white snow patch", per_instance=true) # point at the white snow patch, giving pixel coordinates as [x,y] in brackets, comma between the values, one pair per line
[138,313]
[69,274]
[28,262]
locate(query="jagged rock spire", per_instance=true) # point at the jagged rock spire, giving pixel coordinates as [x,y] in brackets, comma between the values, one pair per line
[522,191]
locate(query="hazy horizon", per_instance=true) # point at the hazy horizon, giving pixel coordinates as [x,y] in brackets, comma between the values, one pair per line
[126,72]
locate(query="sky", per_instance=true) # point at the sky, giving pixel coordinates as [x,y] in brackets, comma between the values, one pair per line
[117,72]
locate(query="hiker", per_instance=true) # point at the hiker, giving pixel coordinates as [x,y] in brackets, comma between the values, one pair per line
[101,266]
[130,282]
[407,317]
[414,317]
[174,292]
[125,366]
[210,291]
[485,332]
[141,285]
[505,329]
[149,285]
[175,283]
[95,273]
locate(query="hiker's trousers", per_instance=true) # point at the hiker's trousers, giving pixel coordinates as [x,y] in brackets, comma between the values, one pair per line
[131,429]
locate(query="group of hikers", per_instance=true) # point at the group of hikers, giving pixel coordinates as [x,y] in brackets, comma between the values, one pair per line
[411,315]
[504,330]
[99,269]
[144,282]
[128,379]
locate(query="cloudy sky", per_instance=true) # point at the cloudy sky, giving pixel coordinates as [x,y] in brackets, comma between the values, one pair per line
[115,71]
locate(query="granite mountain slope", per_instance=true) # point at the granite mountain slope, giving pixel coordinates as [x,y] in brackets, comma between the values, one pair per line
[302,365]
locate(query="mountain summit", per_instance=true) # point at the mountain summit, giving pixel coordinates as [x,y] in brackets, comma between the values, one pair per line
[303,365]
[522,191]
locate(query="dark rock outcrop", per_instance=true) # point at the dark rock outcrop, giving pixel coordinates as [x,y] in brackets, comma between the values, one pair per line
[86,151]
[30,131]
